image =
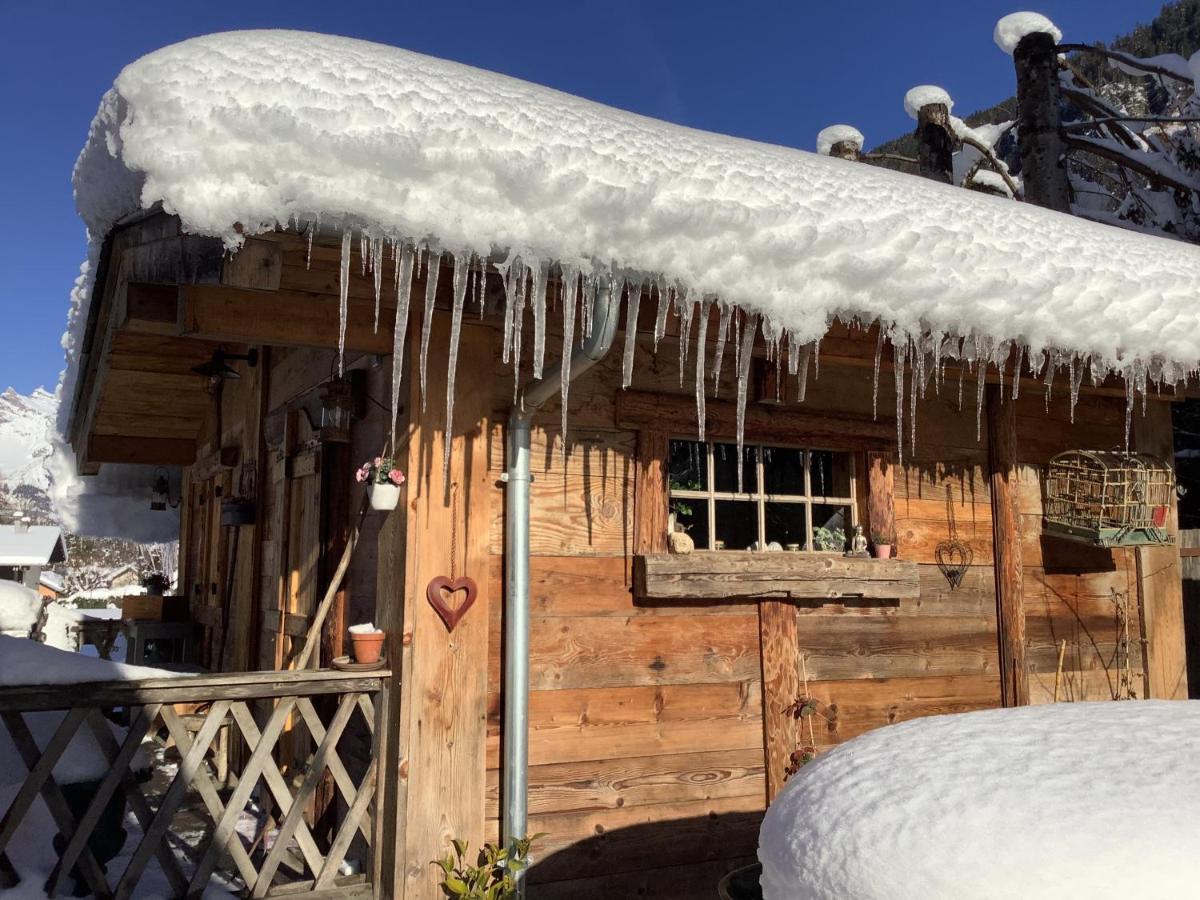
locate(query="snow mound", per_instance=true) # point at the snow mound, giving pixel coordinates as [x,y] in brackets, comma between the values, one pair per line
[1098,800]
[19,606]
[924,95]
[836,134]
[1010,29]
[280,128]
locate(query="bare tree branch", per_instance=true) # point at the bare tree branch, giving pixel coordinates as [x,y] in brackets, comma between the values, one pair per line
[1136,162]
[1132,61]
[997,166]
[1097,107]
[1148,120]
[891,157]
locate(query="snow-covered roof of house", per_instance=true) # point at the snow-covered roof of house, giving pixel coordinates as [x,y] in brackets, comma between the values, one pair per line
[34,545]
[53,581]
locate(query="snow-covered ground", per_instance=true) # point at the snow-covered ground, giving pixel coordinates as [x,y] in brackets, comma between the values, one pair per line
[1095,800]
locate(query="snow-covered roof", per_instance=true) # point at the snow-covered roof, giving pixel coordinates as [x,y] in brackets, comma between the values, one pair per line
[53,581]
[1097,800]
[242,132]
[35,545]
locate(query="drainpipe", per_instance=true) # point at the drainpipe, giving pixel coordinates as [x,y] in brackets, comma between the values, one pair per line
[516,563]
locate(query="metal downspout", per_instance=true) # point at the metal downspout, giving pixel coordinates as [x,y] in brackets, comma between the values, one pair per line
[516,563]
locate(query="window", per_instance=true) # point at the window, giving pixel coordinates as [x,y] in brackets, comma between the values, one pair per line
[796,499]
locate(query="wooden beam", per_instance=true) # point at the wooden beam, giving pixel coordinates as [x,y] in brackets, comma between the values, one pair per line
[281,318]
[149,309]
[726,574]
[648,410]
[1006,539]
[650,493]
[257,265]
[1160,576]
[881,490]
[780,651]
[105,448]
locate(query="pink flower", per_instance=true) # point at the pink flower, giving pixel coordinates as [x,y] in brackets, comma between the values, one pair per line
[378,461]
[362,474]
[396,477]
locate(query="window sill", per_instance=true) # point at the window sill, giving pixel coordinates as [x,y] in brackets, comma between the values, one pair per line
[734,574]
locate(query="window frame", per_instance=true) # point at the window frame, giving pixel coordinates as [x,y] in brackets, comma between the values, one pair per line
[760,497]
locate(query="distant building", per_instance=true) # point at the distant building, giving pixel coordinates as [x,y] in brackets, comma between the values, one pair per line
[128,575]
[51,585]
[25,550]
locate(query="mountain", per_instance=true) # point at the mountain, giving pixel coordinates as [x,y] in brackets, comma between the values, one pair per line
[1176,29]
[26,422]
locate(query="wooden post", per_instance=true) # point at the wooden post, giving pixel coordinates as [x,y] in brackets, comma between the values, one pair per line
[881,489]
[1160,574]
[650,493]
[1006,539]
[780,653]
[1040,137]
[846,150]
[935,143]
[438,767]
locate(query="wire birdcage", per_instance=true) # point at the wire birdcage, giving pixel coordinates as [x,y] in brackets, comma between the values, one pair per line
[1109,499]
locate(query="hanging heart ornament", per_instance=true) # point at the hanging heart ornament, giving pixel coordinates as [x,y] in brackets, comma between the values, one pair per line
[439,592]
[953,557]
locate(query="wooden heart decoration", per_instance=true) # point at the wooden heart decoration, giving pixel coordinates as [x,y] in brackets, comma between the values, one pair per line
[450,615]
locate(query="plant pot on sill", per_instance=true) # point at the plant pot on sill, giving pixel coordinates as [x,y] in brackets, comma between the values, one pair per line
[367,646]
[883,551]
[384,496]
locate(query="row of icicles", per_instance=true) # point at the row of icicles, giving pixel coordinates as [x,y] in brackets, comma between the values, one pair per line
[537,282]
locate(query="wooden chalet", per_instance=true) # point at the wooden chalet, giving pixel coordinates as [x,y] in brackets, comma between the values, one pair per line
[664,689]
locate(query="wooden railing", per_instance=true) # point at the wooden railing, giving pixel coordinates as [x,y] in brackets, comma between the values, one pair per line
[286,856]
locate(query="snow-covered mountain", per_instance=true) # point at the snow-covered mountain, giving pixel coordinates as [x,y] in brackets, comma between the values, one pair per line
[26,423]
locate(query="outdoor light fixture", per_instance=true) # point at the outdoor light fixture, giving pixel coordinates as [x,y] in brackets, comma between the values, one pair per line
[337,410]
[218,369]
[160,491]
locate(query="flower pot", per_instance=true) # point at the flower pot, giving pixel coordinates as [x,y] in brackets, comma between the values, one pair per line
[384,496]
[883,551]
[367,647]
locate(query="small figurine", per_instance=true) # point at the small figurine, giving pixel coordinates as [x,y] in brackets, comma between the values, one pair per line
[858,544]
[679,541]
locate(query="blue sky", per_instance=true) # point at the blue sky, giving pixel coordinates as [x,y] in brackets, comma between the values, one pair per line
[771,71]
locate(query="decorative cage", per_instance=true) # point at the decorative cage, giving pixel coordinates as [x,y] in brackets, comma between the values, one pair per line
[1109,499]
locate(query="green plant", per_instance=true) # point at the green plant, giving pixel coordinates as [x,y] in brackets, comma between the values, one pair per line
[829,538]
[878,537]
[492,877]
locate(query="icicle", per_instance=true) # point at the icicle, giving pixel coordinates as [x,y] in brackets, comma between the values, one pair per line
[569,288]
[312,229]
[685,311]
[362,252]
[980,387]
[1016,391]
[404,266]
[817,359]
[1129,398]
[462,271]
[518,325]
[509,301]
[962,374]
[901,358]
[589,303]
[632,305]
[743,378]
[915,386]
[802,372]
[875,382]
[1076,383]
[480,283]
[433,268]
[701,338]
[1049,369]
[660,321]
[343,298]
[722,334]
[538,302]
[377,271]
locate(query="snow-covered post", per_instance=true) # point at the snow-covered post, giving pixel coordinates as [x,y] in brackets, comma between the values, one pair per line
[930,106]
[1032,40]
[842,141]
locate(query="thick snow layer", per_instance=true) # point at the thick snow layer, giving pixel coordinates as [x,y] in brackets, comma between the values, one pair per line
[266,128]
[925,95]
[1098,800]
[1010,29]
[19,607]
[114,503]
[836,134]
[29,662]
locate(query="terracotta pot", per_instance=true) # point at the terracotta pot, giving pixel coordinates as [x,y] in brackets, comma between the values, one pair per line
[384,496]
[367,647]
[883,551]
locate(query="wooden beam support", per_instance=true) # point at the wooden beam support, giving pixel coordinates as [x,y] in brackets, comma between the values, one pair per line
[1160,575]
[650,493]
[104,448]
[780,652]
[281,318]
[1006,538]
[881,491]
[648,410]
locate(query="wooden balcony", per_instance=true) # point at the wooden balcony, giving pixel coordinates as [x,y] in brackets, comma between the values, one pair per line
[292,730]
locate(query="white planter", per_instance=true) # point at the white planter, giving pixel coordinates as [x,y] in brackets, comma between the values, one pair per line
[383,496]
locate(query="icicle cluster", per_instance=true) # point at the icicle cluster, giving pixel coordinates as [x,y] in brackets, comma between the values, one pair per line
[917,361]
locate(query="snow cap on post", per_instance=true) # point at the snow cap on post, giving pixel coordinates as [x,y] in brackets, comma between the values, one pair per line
[828,137]
[1010,29]
[925,95]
